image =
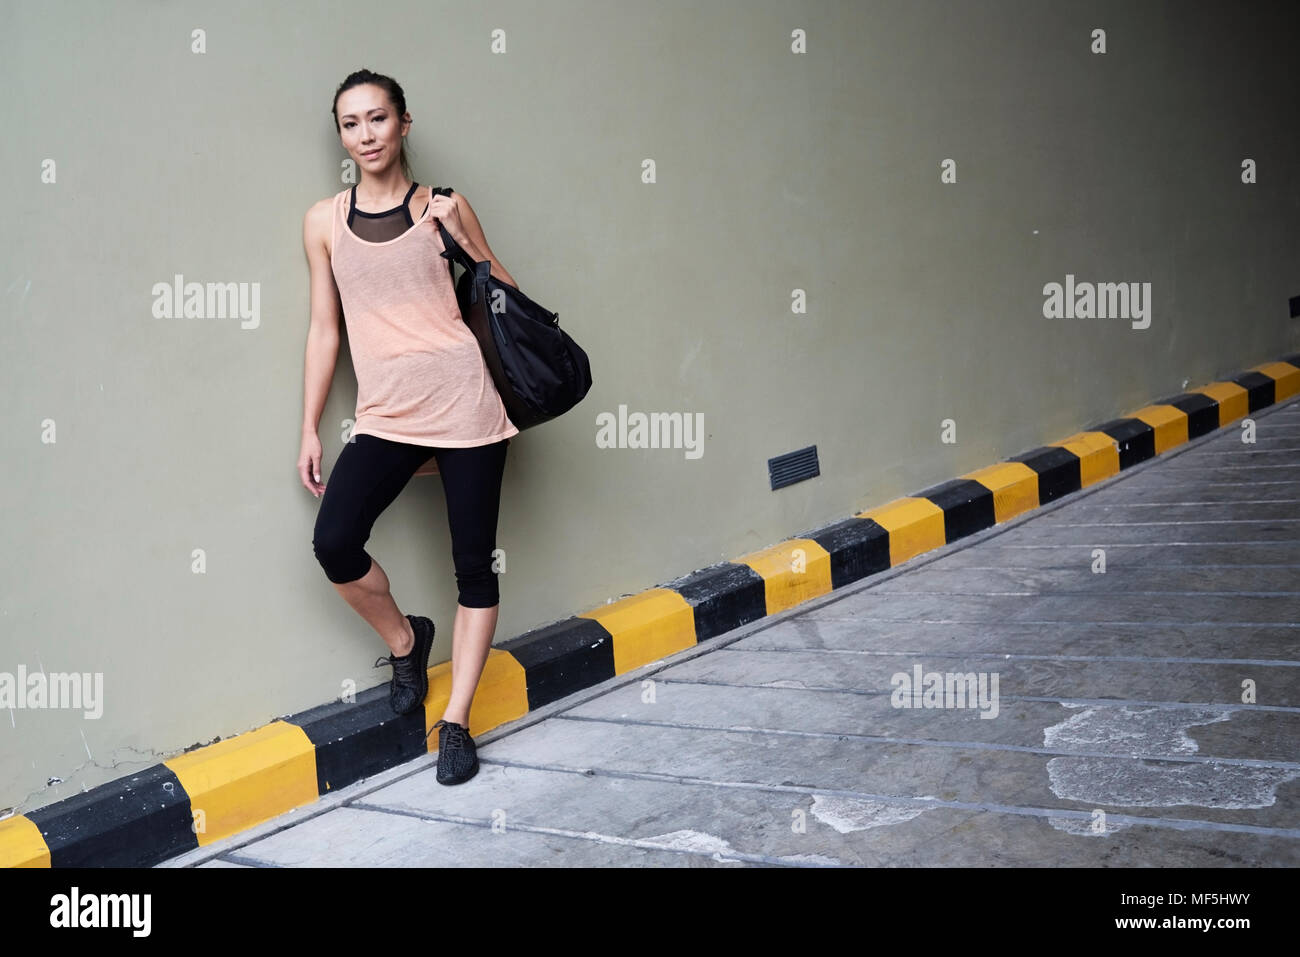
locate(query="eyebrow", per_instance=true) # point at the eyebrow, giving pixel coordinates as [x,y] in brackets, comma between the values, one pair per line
[373,109]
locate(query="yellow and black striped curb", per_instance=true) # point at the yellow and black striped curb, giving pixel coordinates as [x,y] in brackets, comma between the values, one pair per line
[222,789]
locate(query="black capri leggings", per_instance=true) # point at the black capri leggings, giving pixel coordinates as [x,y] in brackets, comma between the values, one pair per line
[369,474]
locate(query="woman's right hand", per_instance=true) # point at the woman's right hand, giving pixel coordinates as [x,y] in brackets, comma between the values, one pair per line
[309,464]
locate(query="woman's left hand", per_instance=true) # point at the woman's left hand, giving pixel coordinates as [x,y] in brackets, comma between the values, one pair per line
[444,209]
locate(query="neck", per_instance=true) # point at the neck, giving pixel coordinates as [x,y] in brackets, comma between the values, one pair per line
[383,189]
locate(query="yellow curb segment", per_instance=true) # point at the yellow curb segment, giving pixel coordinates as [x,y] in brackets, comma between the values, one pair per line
[793,571]
[646,627]
[253,777]
[21,844]
[1014,486]
[915,525]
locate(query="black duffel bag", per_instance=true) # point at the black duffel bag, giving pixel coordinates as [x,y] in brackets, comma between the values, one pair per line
[539,371]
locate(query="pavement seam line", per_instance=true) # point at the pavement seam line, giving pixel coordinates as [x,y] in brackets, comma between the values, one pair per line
[947,744]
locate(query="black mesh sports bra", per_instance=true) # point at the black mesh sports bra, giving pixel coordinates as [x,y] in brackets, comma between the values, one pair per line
[381,227]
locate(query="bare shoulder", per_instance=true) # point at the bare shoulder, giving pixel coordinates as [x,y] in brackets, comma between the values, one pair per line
[316,225]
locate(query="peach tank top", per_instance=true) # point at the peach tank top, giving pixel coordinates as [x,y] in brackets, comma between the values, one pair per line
[421,377]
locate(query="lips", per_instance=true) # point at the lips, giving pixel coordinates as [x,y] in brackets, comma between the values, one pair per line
[372,153]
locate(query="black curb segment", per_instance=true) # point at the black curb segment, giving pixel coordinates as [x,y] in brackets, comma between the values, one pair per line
[1059,471]
[562,658]
[354,740]
[858,547]
[1202,412]
[135,821]
[967,506]
[1259,389]
[723,597]
[1137,440]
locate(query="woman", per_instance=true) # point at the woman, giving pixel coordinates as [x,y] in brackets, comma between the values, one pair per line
[423,391]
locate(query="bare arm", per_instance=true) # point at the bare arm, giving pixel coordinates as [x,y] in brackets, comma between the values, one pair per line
[475,243]
[326,310]
[322,342]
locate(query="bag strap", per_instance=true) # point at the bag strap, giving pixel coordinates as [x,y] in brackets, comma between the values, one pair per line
[452,251]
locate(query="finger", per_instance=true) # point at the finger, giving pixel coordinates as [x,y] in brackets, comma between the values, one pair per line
[304,475]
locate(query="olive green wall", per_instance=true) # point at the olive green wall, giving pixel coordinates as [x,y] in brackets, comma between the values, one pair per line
[673,178]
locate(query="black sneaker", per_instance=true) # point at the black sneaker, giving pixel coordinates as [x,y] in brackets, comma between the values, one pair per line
[410,681]
[457,756]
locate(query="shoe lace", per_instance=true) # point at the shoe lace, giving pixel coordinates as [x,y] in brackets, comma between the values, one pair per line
[403,668]
[455,733]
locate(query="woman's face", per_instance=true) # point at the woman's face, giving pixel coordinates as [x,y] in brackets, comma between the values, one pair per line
[369,129]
